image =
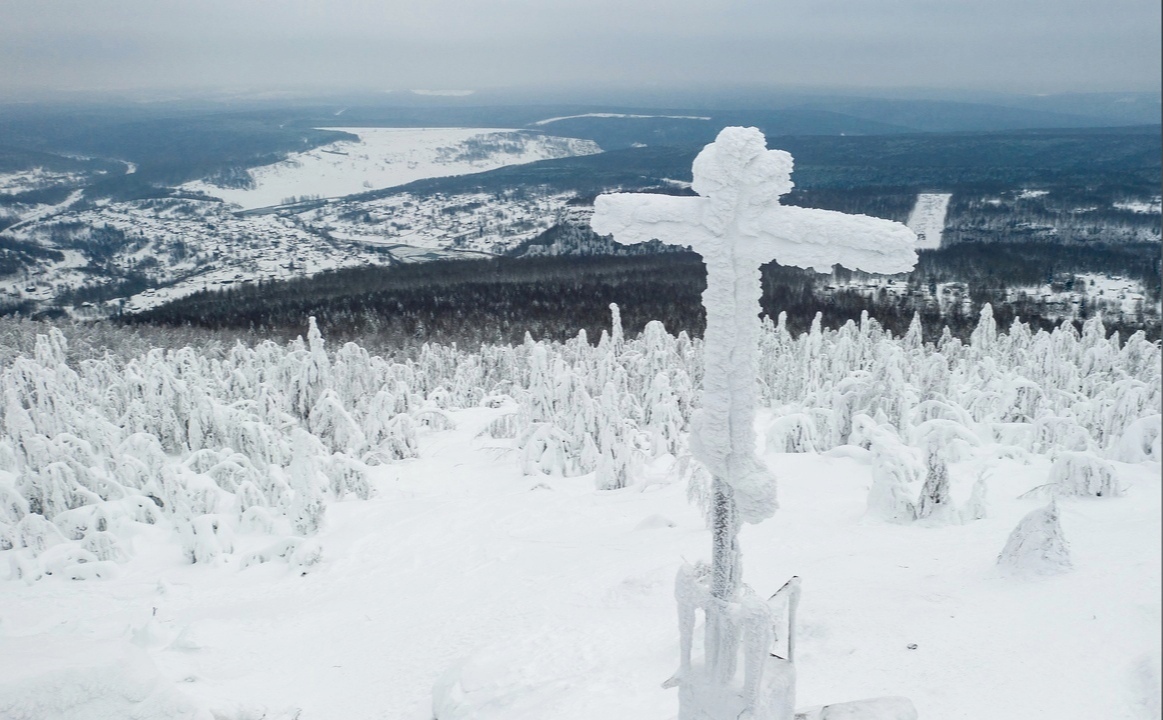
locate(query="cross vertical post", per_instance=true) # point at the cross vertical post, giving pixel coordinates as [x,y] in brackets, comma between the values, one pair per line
[737,224]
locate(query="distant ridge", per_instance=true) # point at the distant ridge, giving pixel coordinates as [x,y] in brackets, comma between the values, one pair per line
[945,116]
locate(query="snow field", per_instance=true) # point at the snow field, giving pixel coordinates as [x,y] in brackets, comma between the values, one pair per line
[526,514]
[386,157]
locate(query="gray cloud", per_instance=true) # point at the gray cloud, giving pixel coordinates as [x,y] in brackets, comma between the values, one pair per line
[1014,45]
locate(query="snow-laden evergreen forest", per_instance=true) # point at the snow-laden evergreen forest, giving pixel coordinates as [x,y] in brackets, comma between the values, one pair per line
[118,471]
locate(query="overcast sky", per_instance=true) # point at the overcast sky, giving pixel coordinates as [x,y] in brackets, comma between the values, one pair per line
[1028,46]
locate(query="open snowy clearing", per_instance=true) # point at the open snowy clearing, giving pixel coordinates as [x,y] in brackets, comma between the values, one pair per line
[386,157]
[927,219]
[560,598]
[1147,208]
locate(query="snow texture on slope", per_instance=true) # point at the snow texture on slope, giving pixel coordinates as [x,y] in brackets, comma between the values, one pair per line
[62,677]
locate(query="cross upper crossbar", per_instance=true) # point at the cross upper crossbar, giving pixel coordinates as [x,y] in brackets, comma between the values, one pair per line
[739,182]
[737,224]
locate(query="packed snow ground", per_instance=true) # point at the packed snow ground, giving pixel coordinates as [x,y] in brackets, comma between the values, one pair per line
[560,597]
[505,526]
[386,157]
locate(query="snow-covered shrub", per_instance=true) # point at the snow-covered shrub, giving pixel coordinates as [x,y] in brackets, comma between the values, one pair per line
[895,468]
[332,424]
[977,507]
[1037,545]
[793,433]
[544,451]
[503,427]
[1141,441]
[1083,474]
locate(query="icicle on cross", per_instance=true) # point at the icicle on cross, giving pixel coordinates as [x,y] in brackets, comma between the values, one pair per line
[737,225]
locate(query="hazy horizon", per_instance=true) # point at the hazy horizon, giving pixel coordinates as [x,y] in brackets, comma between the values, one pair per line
[989,46]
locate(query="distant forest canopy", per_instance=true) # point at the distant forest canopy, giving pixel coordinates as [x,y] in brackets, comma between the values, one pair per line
[499,300]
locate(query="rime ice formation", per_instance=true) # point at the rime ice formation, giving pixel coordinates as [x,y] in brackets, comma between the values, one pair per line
[737,225]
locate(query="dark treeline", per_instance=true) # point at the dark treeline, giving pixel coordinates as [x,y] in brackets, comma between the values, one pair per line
[501,299]
[997,266]
[890,203]
[15,255]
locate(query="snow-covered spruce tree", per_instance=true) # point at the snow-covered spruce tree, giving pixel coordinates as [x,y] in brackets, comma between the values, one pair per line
[307,483]
[935,502]
[308,371]
[664,420]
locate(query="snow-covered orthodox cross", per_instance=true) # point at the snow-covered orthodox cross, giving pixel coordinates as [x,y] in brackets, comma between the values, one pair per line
[737,224]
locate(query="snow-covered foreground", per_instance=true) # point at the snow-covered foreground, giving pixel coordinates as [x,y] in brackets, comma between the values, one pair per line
[525,516]
[386,157]
[561,599]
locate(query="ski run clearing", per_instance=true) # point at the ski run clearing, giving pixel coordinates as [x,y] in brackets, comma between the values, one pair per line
[927,219]
[307,532]
[387,157]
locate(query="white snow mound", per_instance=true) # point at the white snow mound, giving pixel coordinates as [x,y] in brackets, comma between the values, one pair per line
[63,677]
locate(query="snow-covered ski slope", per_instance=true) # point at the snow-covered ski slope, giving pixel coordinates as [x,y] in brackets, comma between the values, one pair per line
[927,219]
[386,157]
[291,531]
